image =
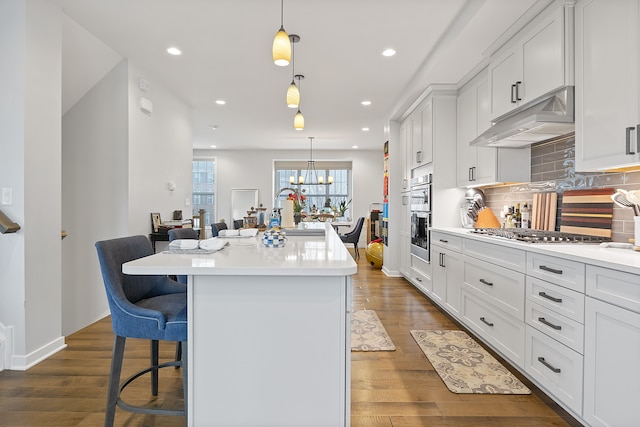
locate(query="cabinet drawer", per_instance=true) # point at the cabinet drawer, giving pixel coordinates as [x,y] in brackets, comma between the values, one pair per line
[556,367]
[513,259]
[561,300]
[499,329]
[564,330]
[563,272]
[616,287]
[502,287]
[420,274]
[447,241]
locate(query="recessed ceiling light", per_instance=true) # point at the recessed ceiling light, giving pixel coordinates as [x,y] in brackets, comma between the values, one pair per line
[221,102]
[212,146]
[174,51]
[365,129]
[213,127]
[365,103]
[388,52]
[354,146]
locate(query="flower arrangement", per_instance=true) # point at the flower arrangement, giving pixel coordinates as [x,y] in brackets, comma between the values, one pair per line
[298,201]
[343,206]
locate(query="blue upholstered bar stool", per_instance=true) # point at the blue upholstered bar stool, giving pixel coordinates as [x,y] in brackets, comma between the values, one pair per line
[147,307]
[216,227]
[182,233]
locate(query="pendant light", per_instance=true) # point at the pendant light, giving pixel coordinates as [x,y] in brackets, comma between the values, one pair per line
[281,50]
[298,120]
[293,93]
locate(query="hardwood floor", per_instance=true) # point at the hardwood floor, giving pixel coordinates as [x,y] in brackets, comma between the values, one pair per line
[398,388]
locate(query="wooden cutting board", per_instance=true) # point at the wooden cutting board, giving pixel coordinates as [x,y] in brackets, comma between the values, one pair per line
[588,212]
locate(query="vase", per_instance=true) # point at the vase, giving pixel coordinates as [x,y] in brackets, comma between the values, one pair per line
[297,217]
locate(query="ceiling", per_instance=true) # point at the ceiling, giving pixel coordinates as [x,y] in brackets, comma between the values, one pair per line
[226,47]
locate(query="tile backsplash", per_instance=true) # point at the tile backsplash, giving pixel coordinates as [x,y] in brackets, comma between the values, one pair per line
[553,170]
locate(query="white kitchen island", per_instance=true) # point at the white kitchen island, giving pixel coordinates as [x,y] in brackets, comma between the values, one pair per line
[269,330]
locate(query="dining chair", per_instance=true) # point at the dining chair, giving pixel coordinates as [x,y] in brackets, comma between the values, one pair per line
[353,236]
[152,307]
[182,233]
[216,227]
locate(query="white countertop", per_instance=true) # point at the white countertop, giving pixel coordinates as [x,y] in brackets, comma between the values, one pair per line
[618,259]
[322,255]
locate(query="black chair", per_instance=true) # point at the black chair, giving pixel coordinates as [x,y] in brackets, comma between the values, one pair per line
[353,236]
[147,307]
[216,227]
[238,224]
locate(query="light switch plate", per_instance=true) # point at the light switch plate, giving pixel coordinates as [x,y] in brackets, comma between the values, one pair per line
[7,196]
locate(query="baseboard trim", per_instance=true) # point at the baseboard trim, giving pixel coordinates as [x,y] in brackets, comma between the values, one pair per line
[22,363]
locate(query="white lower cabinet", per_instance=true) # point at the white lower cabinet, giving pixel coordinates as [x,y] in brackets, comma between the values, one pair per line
[611,365]
[447,278]
[502,331]
[556,367]
[420,274]
[571,327]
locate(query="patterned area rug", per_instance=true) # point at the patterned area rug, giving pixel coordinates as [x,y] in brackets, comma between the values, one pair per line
[464,366]
[367,332]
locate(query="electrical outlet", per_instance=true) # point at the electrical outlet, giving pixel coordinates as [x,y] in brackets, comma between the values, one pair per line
[7,196]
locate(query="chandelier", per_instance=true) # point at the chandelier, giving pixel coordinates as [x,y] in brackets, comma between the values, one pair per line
[311,176]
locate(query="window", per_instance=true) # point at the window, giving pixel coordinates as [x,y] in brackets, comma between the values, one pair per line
[317,194]
[204,176]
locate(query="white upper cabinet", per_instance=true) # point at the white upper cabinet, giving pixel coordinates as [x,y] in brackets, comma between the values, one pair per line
[421,138]
[405,155]
[533,64]
[607,97]
[484,165]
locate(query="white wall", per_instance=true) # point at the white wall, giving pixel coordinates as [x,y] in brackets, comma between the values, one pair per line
[30,272]
[117,162]
[244,169]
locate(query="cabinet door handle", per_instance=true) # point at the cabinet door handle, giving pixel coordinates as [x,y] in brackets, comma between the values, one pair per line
[442,260]
[549,324]
[550,270]
[518,91]
[485,322]
[513,94]
[638,138]
[418,156]
[470,174]
[549,297]
[548,365]
[485,282]
[629,130]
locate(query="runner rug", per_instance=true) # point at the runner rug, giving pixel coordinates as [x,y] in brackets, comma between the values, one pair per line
[464,366]
[367,332]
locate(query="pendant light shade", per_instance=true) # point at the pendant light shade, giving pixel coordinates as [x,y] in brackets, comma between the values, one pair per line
[293,95]
[298,121]
[281,48]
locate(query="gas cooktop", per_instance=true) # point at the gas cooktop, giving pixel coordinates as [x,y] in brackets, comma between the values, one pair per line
[539,236]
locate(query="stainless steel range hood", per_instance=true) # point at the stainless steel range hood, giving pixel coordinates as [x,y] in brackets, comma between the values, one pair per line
[547,117]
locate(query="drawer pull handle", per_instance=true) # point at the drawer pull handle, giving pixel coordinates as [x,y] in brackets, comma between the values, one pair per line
[419,279]
[545,363]
[485,282]
[485,322]
[549,297]
[550,270]
[549,324]
[444,240]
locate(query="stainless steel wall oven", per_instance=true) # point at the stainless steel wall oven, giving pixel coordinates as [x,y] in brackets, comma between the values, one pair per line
[421,216]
